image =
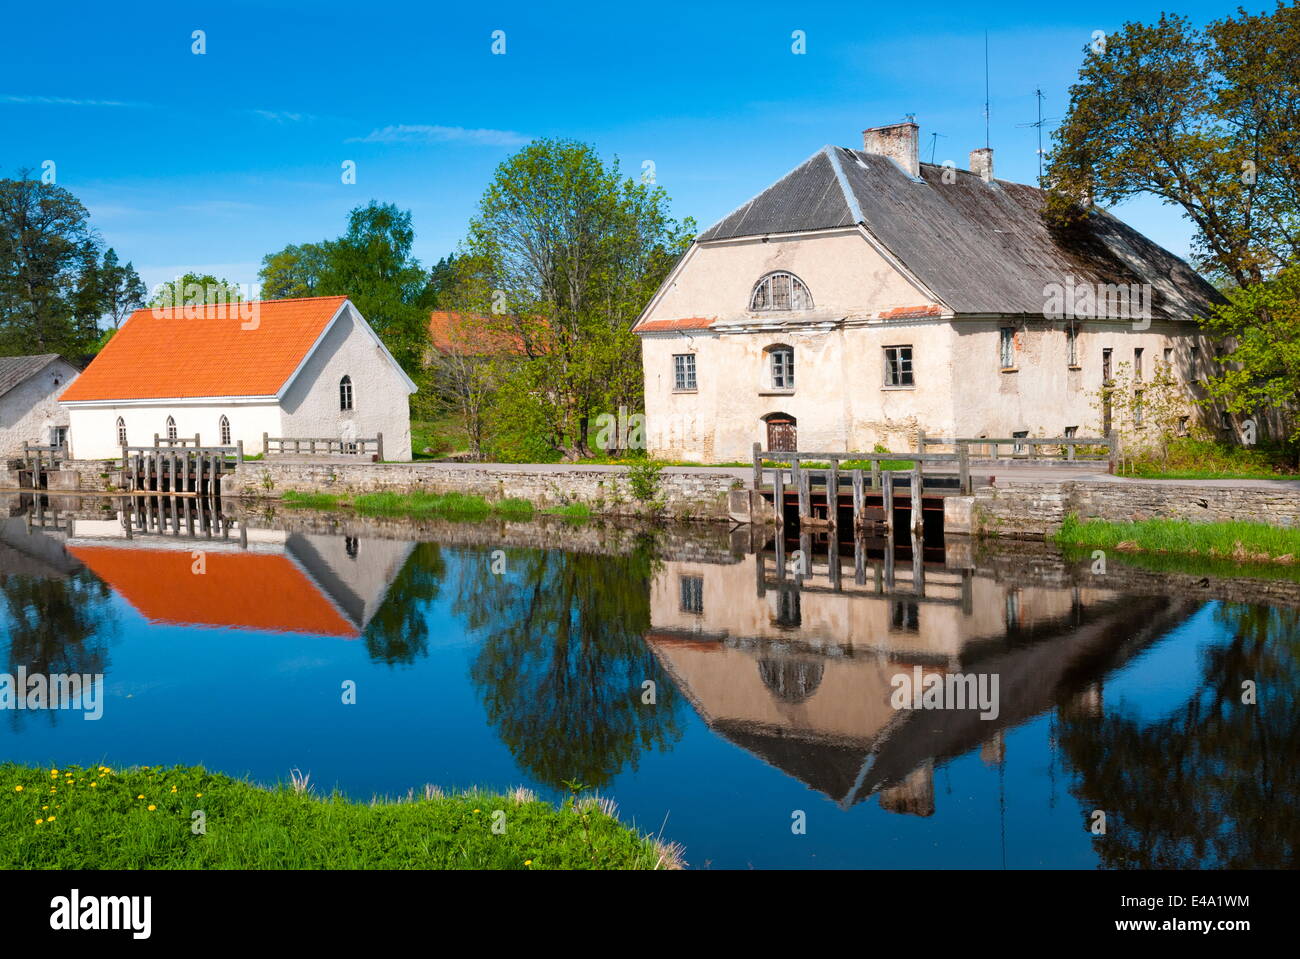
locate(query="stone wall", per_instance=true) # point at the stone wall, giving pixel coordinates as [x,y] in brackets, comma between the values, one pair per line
[682,494]
[1033,510]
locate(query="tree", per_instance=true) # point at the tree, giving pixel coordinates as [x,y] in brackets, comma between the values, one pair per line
[569,252]
[1207,120]
[47,283]
[195,289]
[118,289]
[372,264]
[1146,412]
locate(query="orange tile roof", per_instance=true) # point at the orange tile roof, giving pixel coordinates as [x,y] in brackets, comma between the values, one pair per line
[263,591]
[472,335]
[902,312]
[685,323]
[164,355]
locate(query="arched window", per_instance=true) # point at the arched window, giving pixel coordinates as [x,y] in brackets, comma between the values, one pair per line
[345,393]
[223,429]
[121,431]
[780,291]
[780,367]
[171,428]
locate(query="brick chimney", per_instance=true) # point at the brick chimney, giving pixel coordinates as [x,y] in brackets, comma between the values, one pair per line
[981,162]
[898,141]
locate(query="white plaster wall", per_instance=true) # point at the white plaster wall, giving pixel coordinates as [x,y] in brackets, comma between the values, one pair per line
[842,270]
[381,398]
[30,409]
[94,430]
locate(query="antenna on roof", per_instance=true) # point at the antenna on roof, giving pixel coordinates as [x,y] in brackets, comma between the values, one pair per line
[934,141]
[986,90]
[1039,123]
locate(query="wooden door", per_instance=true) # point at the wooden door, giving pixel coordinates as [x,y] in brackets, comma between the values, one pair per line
[781,435]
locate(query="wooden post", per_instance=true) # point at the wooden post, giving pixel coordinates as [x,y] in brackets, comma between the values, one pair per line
[920,441]
[155,439]
[1112,458]
[1069,451]
[805,498]
[833,556]
[875,474]
[833,493]
[239,451]
[171,462]
[758,465]
[379,447]
[778,498]
[859,561]
[859,501]
[963,468]
[266,445]
[918,484]
[889,502]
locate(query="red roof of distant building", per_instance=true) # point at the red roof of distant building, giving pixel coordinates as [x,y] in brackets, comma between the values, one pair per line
[206,350]
[470,334]
[685,323]
[903,312]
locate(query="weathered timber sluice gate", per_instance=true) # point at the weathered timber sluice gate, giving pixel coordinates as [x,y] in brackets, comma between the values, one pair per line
[179,467]
[864,491]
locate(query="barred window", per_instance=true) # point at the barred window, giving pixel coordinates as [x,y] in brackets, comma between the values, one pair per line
[223,427]
[1007,347]
[780,291]
[692,594]
[782,367]
[683,371]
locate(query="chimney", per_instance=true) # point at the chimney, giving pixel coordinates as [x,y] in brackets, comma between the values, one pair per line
[896,141]
[981,162]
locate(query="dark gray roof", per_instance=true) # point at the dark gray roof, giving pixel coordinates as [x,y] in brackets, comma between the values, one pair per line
[17,369]
[980,247]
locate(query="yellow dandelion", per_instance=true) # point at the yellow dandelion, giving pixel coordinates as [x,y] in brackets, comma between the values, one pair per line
[141,796]
[53,790]
[173,789]
[54,774]
[39,821]
[198,795]
[152,807]
[528,862]
[49,819]
[18,789]
[476,810]
[93,785]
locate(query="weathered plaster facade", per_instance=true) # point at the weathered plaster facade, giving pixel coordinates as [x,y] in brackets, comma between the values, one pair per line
[30,412]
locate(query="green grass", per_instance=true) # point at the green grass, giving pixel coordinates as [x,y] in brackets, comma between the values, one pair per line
[1235,540]
[97,818]
[417,503]
[571,511]
[443,435]
[1200,458]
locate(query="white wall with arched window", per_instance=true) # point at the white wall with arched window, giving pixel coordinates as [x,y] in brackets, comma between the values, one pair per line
[121,431]
[780,291]
[171,428]
[345,393]
[223,430]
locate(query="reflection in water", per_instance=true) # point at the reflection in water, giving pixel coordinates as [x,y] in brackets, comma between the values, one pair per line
[693,676]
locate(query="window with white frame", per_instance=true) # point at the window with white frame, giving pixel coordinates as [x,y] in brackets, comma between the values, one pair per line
[683,371]
[1072,346]
[223,427]
[780,291]
[121,431]
[345,393]
[782,367]
[171,428]
[898,366]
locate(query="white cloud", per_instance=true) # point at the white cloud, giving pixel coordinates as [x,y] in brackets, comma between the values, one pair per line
[63,101]
[282,116]
[426,133]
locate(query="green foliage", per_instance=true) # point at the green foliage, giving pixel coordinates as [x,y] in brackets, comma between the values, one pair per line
[195,289]
[416,503]
[1146,411]
[1205,119]
[643,477]
[1230,540]
[1203,457]
[372,264]
[59,820]
[1262,324]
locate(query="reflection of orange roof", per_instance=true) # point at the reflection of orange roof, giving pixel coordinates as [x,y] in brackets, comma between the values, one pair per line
[215,351]
[241,590]
[684,323]
[655,638]
[472,335]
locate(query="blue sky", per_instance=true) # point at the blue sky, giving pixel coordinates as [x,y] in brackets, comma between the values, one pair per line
[209,162]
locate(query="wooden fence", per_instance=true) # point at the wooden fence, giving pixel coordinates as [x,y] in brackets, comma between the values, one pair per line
[38,459]
[1068,448]
[188,470]
[372,447]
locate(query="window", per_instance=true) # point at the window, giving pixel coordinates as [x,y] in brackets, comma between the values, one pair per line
[684,371]
[1195,354]
[223,429]
[1184,425]
[351,546]
[59,436]
[780,291]
[692,591]
[1072,346]
[345,393]
[1071,432]
[782,367]
[1105,366]
[1137,364]
[1019,435]
[898,366]
[905,616]
[1007,347]
[1169,356]
[121,432]
[171,428]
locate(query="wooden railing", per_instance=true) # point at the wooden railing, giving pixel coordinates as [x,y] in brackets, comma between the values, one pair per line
[1030,447]
[176,441]
[797,463]
[38,458]
[372,447]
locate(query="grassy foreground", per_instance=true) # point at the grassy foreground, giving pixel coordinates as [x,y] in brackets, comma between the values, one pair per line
[419,503]
[102,818]
[1236,540]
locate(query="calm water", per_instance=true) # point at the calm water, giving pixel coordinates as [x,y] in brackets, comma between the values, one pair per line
[498,656]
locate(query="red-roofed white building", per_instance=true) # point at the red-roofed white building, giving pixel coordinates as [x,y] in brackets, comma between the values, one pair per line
[301,368]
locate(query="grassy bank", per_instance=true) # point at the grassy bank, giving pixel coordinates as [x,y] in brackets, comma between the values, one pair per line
[450,505]
[1238,541]
[101,818]
[1202,458]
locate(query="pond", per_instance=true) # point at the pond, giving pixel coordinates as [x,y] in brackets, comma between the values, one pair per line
[737,696]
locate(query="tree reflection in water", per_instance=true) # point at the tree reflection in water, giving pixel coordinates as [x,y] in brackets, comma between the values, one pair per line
[398,633]
[1215,785]
[562,661]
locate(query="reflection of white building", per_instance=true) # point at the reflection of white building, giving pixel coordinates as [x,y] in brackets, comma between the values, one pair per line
[277,582]
[802,677]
